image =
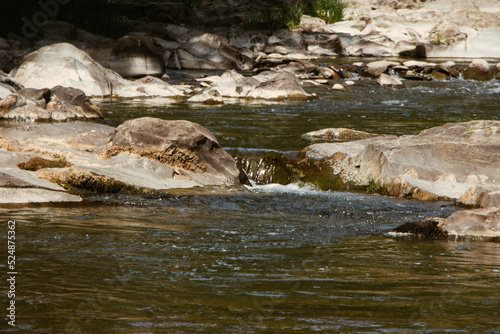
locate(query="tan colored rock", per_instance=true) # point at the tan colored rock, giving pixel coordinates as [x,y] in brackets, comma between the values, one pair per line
[387,80]
[444,162]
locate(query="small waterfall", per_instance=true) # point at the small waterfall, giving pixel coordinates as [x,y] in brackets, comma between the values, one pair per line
[275,167]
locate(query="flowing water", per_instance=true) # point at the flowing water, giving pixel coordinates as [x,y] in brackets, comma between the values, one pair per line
[264,259]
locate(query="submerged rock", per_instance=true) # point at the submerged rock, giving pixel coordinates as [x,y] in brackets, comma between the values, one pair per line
[433,228]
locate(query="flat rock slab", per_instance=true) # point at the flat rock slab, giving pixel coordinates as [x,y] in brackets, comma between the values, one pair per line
[445,162]
[35,195]
[141,156]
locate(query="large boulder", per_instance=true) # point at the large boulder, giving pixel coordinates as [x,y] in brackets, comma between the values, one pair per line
[208,52]
[64,65]
[141,156]
[59,104]
[130,57]
[188,147]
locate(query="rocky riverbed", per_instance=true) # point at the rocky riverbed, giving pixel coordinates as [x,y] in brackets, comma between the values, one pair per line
[55,80]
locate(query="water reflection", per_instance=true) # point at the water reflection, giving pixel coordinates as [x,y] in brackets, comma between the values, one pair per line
[273,259]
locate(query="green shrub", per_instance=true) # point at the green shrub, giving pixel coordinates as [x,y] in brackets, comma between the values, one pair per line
[329,10]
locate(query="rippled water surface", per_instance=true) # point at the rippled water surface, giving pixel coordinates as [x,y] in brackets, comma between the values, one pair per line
[268,259]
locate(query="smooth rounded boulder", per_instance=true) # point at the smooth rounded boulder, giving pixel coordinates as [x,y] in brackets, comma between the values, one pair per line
[65,65]
[189,148]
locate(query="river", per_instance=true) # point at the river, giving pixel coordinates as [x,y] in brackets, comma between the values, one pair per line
[265,259]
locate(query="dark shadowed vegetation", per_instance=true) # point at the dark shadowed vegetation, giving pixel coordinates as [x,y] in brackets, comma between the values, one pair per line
[25,19]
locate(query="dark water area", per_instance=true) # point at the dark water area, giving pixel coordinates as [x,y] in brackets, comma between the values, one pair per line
[265,259]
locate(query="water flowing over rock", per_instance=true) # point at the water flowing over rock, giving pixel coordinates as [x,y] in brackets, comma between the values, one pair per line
[58,103]
[141,156]
[387,80]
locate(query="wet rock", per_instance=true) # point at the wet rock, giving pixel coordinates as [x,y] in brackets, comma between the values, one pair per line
[438,75]
[387,80]
[413,75]
[208,52]
[338,134]
[479,69]
[59,104]
[433,228]
[274,167]
[130,56]
[447,69]
[475,223]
